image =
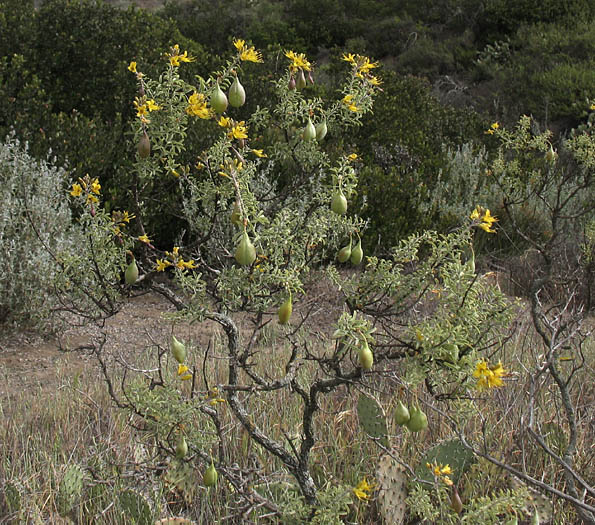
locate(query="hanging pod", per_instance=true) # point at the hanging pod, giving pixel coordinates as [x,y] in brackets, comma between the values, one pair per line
[301,80]
[285,310]
[178,350]
[131,273]
[339,202]
[144,146]
[210,476]
[181,447]
[365,356]
[344,253]
[237,94]
[357,254]
[321,130]
[309,131]
[401,413]
[245,252]
[218,100]
[418,420]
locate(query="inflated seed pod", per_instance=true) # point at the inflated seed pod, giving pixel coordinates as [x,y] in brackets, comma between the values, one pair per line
[237,94]
[144,146]
[339,203]
[131,273]
[357,254]
[285,311]
[309,131]
[366,358]
[218,100]
[321,130]
[178,350]
[245,252]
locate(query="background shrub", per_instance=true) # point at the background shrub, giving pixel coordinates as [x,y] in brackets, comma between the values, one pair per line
[30,189]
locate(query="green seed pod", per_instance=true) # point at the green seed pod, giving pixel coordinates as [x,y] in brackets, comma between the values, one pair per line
[218,100]
[339,203]
[285,311]
[178,350]
[144,146]
[237,94]
[344,253]
[550,155]
[131,273]
[321,130]
[366,358]
[357,254]
[455,501]
[418,420]
[401,414]
[301,80]
[210,476]
[181,447]
[309,131]
[245,253]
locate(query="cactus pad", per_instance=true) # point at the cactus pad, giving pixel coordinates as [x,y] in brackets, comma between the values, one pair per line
[452,453]
[392,482]
[372,418]
[135,507]
[536,500]
[69,490]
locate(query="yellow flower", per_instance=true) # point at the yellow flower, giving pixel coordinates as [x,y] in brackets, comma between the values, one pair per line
[141,109]
[488,377]
[298,61]
[126,217]
[188,265]
[592,108]
[184,373]
[349,57]
[132,67]
[239,131]
[91,199]
[224,122]
[197,106]
[162,265]
[239,44]
[374,80]
[95,187]
[250,55]
[259,153]
[77,191]
[144,238]
[363,490]
[366,65]
[352,157]
[493,128]
[485,218]
[348,101]
[152,106]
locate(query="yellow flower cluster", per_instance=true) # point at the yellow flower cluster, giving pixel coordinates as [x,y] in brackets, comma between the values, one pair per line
[484,219]
[238,131]
[247,53]
[213,397]
[184,372]
[350,104]
[88,187]
[230,167]
[361,67]
[173,258]
[298,61]
[488,376]
[197,106]
[120,220]
[493,128]
[363,490]
[144,107]
[441,472]
[176,58]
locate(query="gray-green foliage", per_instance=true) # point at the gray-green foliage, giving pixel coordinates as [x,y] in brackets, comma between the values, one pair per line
[452,453]
[31,192]
[333,504]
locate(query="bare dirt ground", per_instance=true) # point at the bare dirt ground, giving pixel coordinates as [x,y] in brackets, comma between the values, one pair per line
[29,362]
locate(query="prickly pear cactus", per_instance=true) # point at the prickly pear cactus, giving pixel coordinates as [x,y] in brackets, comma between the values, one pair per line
[392,484]
[174,521]
[452,453]
[135,508]
[70,490]
[372,418]
[536,502]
